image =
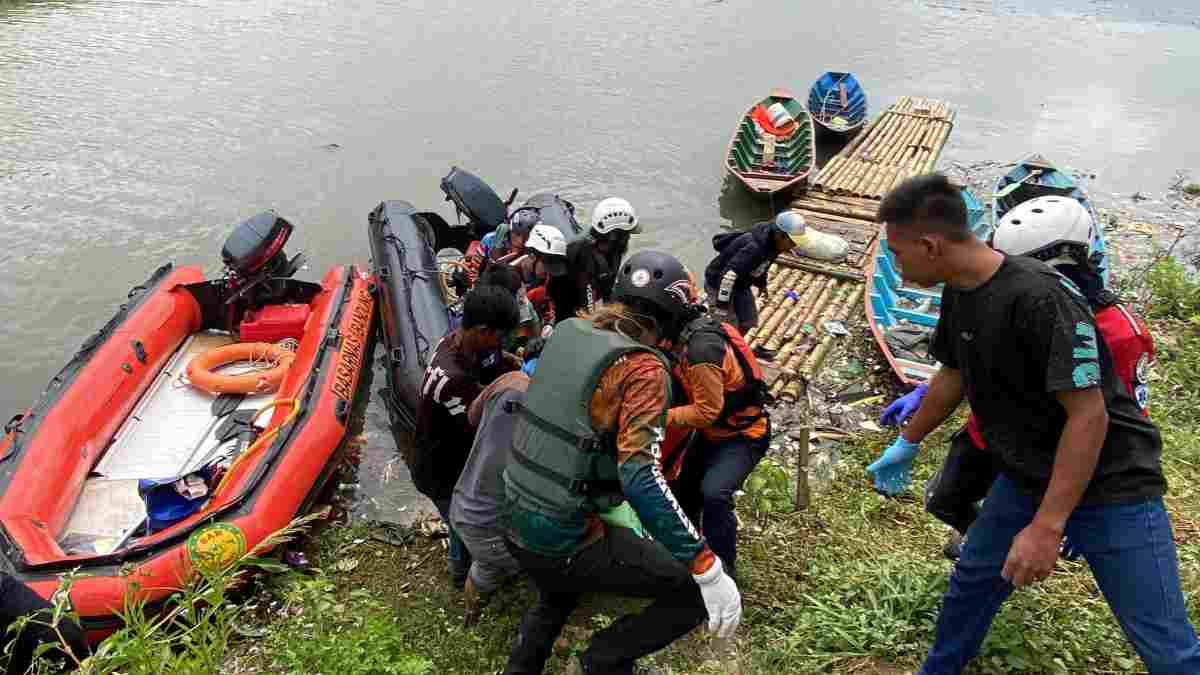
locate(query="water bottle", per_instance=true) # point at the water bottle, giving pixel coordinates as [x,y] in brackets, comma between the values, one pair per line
[725,292]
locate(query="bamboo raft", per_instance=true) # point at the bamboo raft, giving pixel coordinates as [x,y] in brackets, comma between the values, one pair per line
[792,325]
[804,295]
[906,140]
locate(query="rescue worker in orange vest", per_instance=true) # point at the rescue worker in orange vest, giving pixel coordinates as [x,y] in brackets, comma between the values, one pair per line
[727,399]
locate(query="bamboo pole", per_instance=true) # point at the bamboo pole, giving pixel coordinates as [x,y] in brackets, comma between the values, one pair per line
[777,318]
[786,332]
[907,127]
[777,387]
[802,492]
[844,211]
[810,293]
[829,169]
[863,135]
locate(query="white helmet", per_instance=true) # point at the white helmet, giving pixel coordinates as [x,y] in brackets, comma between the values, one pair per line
[547,240]
[614,214]
[1056,230]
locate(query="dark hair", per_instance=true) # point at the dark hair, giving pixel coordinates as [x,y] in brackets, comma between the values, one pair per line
[490,307]
[927,204]
[504,276]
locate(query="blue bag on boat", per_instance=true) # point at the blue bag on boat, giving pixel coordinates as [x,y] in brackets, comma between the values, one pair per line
[165,506]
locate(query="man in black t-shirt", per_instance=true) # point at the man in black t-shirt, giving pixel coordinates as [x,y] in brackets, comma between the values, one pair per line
[1076,457]
[452,381]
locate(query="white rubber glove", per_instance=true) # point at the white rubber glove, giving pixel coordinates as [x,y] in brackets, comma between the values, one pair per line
[721,599]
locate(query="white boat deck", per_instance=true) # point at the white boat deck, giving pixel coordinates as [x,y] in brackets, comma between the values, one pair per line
[169,434]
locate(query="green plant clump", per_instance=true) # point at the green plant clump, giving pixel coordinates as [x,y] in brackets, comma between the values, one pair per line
[323,634]
[1175,294]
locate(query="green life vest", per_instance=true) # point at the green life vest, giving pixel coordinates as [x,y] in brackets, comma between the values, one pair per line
[560,467]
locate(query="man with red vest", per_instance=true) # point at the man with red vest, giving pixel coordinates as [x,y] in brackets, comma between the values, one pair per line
[1056,230]
[726,398]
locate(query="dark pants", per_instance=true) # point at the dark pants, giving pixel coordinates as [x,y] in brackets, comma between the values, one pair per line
[1130,550]
[16,600]
[619,563]
[966,476]
[712,472]
[741,303]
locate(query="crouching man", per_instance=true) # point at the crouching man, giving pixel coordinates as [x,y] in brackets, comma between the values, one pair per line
[589,439]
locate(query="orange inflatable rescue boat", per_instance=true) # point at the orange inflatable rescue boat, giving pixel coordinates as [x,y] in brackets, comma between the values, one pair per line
[205,415]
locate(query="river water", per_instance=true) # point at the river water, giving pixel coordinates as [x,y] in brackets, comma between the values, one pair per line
[132,132]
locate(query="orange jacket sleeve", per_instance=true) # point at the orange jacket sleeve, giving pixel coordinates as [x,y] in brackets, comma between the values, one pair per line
[705,384]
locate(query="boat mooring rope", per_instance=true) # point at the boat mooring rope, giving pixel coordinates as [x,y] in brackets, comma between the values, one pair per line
[408,275]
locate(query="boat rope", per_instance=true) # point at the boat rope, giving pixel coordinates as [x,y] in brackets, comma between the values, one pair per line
[264,437]
[408,275]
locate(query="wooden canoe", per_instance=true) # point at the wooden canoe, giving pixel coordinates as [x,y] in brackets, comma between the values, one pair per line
[838,103]
[899,314]
[768,159]
[1035,176]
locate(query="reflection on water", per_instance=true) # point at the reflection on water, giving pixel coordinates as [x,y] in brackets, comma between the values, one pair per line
[136,131]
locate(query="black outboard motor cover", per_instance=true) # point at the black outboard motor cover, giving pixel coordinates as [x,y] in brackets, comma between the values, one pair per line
[557,212]
[255,243]
[475,199]
[412,305]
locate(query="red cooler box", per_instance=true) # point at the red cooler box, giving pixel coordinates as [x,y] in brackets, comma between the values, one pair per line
[273,323]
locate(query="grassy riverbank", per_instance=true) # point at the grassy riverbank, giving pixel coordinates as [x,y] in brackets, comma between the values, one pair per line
[850,585]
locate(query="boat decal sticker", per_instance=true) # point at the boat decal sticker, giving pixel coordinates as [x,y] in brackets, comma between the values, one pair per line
[216,546]
[354,338]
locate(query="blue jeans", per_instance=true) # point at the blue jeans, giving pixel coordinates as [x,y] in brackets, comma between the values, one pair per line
[712,472]
[1131,551]
[458,557]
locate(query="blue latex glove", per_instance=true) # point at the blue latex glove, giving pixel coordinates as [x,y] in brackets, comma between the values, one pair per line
[904,407]
[893,468]
[530,366]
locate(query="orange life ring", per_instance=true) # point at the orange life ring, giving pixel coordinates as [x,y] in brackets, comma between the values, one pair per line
[200,369]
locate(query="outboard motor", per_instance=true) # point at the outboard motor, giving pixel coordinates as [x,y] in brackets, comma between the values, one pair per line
[257,270]
[255,261]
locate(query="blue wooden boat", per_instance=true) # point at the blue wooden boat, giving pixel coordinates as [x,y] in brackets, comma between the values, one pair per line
[838,103]
[1035,176]
[902,318]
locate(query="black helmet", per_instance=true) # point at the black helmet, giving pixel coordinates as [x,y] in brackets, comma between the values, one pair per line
[523,220]
[660,281]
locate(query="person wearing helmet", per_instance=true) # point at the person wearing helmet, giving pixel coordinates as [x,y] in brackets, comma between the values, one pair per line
[587,446]
[507,242]
[1058,231]
[1073,453]
[544,261]
[593,259]
[726,403]
[742,261]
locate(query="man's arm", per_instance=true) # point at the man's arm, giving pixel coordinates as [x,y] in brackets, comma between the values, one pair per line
[708,398]
[942,399]
[1035,549]
[1076,456]
[640,433]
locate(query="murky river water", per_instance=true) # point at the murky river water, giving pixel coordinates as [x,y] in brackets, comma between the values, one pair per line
[133,132]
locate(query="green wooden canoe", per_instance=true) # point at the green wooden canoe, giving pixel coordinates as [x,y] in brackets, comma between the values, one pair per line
[768,162]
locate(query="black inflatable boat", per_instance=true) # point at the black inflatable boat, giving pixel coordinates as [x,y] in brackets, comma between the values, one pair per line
[413,300]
